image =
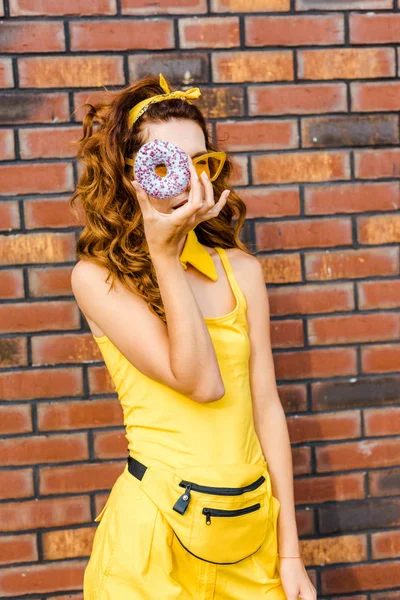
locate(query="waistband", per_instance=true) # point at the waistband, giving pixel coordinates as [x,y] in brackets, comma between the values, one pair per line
[136,468]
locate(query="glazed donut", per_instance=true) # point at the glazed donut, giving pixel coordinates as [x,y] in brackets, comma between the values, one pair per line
[174,158]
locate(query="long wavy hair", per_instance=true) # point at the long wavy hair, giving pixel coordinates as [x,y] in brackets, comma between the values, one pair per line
[113,235]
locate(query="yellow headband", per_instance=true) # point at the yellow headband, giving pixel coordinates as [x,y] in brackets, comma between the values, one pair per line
[141,107]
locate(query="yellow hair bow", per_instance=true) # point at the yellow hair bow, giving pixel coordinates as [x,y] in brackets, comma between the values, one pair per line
[141,107]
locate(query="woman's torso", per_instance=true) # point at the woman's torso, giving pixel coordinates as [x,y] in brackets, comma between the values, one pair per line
[165,427]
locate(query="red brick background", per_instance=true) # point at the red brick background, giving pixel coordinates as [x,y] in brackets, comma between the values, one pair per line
[305,95]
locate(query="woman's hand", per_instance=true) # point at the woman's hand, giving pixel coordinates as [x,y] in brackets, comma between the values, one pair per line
[164,230]
[295,580]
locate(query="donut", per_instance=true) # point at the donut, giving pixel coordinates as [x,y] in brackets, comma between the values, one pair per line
[174,158]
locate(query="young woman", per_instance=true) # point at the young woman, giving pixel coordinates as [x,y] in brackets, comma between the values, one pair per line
[184,332]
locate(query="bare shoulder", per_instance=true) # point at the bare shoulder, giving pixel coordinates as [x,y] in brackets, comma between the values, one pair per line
[87,273]
[248,271]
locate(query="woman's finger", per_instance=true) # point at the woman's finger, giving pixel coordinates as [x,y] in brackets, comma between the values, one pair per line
[196,189]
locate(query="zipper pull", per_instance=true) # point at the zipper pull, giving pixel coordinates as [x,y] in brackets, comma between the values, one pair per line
[183,501]
[208,516]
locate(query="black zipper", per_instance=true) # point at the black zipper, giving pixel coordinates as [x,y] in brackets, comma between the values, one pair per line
[223,491]
[182,503]
[219,512]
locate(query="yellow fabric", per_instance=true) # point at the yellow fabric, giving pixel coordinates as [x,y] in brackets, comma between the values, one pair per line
[136,554]
[141,107]
[195,253]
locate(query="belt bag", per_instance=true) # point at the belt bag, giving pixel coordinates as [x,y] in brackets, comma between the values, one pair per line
[220,513]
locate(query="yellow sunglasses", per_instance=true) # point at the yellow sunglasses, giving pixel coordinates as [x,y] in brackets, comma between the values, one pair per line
[211,163]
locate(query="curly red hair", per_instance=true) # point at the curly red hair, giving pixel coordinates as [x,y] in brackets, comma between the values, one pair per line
[113,235]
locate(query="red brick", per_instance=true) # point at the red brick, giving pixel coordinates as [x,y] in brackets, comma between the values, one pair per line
[335,426]
[305,521]
[209,32]
[356,393]
[379,229]
[124,34]
[294,30]
[36,178]
[297,99]
[348,329]
[360,577]
[385,544]
[252,65]
[343,4]
[55,349]
[331,550]
[285,268]
[293,397]
[240,175]
[301,460]
[6,73]
[7,150]
[358,455]
[13,352]
[375,29]
[15,419]
[287,333]
[380,359]
[48,142]
[41,383]
[300,167]
[35,514]
[346,63]
[33,579]
[382,421]
[384,482]
[39,316]
[16,483]
[32,36]
[11,284]
[68,543]
[375,164]
[351,198]
[79,415]
[49,212]
[379,294]
[47,8]
[37,248]
[9,215]
[271,202]
[100,381]
[170,7]
[329,488]
[110,444]
[18,548]
[315,233]
[79,478]
[315,364]
[382,96]
[336,131]
[51,281]
[43,449]
[237,136]
[24,107]
[344,264]
[254,6]
[70,71]
[311,299]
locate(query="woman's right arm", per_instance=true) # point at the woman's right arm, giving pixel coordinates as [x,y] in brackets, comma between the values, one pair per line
[180,355]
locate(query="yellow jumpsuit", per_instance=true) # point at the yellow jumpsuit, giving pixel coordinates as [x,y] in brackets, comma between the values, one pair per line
[135,554]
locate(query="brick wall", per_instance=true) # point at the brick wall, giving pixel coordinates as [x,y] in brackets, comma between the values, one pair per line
[305,96]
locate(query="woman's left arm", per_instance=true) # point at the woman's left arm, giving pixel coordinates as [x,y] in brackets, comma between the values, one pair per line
[271,428]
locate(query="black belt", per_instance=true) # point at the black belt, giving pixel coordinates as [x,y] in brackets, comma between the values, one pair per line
[136,468]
